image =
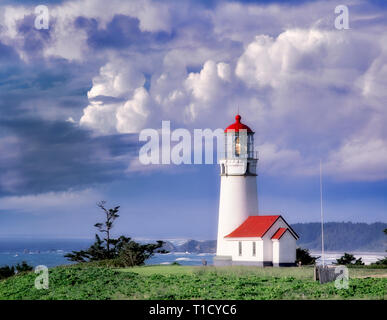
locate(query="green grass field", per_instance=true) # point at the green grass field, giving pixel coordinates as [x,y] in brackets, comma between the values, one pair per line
[180,282]
[299,273]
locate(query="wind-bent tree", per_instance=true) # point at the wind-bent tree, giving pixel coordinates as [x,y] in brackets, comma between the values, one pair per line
[122,251]
[107,225]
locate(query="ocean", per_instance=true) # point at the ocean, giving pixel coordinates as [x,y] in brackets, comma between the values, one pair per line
[50,252]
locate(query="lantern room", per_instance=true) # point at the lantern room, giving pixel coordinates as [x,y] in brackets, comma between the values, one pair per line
[239,140]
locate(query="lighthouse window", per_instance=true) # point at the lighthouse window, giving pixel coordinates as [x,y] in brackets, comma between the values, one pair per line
[240,247]
[237,146]
[223,170]
[254,249]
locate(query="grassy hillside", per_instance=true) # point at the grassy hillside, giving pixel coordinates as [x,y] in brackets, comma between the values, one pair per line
[177,282]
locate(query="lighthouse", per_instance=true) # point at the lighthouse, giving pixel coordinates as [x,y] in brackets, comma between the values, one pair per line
[244,236]
[238,182]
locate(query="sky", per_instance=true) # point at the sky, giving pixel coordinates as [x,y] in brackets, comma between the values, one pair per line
[74,98]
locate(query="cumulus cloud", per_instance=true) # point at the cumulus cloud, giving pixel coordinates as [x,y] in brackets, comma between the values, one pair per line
[101,117]
[118,101]
[276,81]
[275,160]
[312,56]
[373,82]
[362,156]
[359,159]
[309,91]
[67,41]
[206,86]
[132,116]
[115,80]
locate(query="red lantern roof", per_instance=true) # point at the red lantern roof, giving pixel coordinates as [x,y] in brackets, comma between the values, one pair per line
[238,125]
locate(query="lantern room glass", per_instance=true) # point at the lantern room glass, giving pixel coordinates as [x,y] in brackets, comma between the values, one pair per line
[239,144]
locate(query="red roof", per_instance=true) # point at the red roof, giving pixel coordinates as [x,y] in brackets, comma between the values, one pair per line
[279,233]
[253,226]
[238,125]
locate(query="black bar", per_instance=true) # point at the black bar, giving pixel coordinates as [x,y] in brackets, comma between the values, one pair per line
[195,309]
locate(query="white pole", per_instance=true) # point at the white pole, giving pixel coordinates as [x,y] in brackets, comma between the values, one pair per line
[322,218]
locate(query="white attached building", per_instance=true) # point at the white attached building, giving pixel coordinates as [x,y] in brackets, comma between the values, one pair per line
[244,236]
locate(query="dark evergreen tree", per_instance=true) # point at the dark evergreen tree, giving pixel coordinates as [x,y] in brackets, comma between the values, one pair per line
[6,272]
[384,260]
[303,256]
[123,250]
[9,271]
[348,258]
[23,267]
[381,262]
[135,254]
[359,262]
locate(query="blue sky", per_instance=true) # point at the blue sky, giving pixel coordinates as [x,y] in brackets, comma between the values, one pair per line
[73,99]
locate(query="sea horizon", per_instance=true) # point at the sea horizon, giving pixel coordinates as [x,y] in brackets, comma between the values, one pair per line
[50,252]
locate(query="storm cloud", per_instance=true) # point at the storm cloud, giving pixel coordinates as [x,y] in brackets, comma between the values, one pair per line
[42,156]
[74,97]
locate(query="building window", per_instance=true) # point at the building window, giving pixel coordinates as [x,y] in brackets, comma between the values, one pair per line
[254,249]
[223,169]
[240,247]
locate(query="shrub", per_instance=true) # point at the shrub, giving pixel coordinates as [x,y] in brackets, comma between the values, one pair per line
[6,272]
[348,258]
[381,262]
[303,256]
[9,271]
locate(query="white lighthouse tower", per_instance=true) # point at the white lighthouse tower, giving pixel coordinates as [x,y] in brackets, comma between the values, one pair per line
[244,237]
[238,185]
